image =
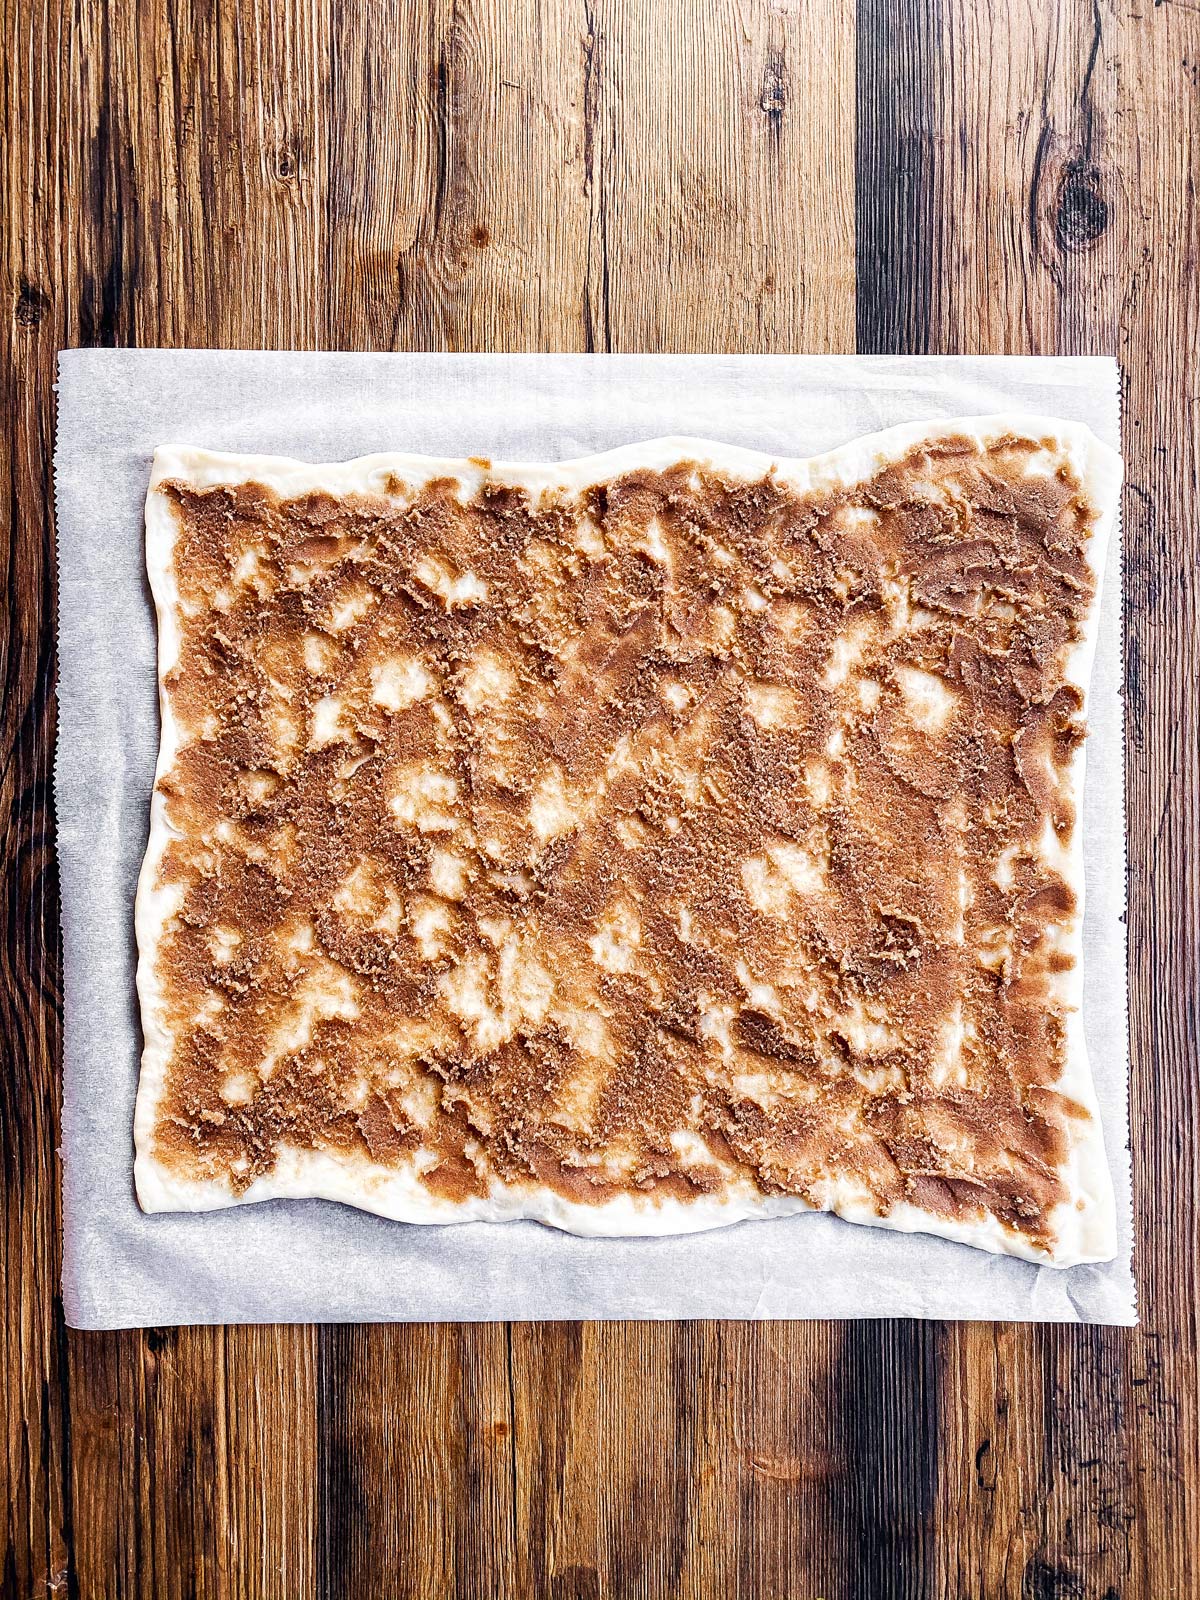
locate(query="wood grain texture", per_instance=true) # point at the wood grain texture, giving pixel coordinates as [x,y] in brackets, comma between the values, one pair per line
[944,175]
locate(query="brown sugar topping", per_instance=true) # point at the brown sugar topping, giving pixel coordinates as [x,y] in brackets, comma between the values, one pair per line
[684,832]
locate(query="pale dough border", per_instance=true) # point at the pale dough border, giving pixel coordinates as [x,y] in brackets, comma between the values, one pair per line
[1086,1222]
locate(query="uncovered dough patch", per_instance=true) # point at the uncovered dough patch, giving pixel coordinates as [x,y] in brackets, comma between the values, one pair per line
[636,844]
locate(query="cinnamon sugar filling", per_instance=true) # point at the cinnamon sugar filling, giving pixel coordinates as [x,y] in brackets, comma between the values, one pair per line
[682,834]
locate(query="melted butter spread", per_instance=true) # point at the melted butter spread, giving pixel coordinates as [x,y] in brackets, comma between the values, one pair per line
[681,834]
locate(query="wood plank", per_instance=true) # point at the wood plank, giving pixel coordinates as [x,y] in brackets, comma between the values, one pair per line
[898,83]
[891,1391]
[35,1423]
[415,1462]
[483,112]
[114,1544]
[201,223]
[193,1452]
[720,153]
[1157,173]
[1059,147]
[696,1459]
[272,1462]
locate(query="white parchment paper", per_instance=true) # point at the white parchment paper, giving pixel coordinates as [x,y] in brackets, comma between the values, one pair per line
[316,1261]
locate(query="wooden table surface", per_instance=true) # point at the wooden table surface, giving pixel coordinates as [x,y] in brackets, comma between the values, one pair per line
[919,175]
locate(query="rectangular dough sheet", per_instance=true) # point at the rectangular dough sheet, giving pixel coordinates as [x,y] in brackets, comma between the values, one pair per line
[637,844]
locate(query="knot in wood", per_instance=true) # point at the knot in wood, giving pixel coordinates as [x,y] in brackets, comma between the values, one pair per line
[32,305]
[1083,212]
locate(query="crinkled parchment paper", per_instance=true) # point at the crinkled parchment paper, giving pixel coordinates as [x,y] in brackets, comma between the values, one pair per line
[315,1261]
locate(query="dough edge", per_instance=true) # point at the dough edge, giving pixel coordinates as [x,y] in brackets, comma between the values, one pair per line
[1084,1223]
